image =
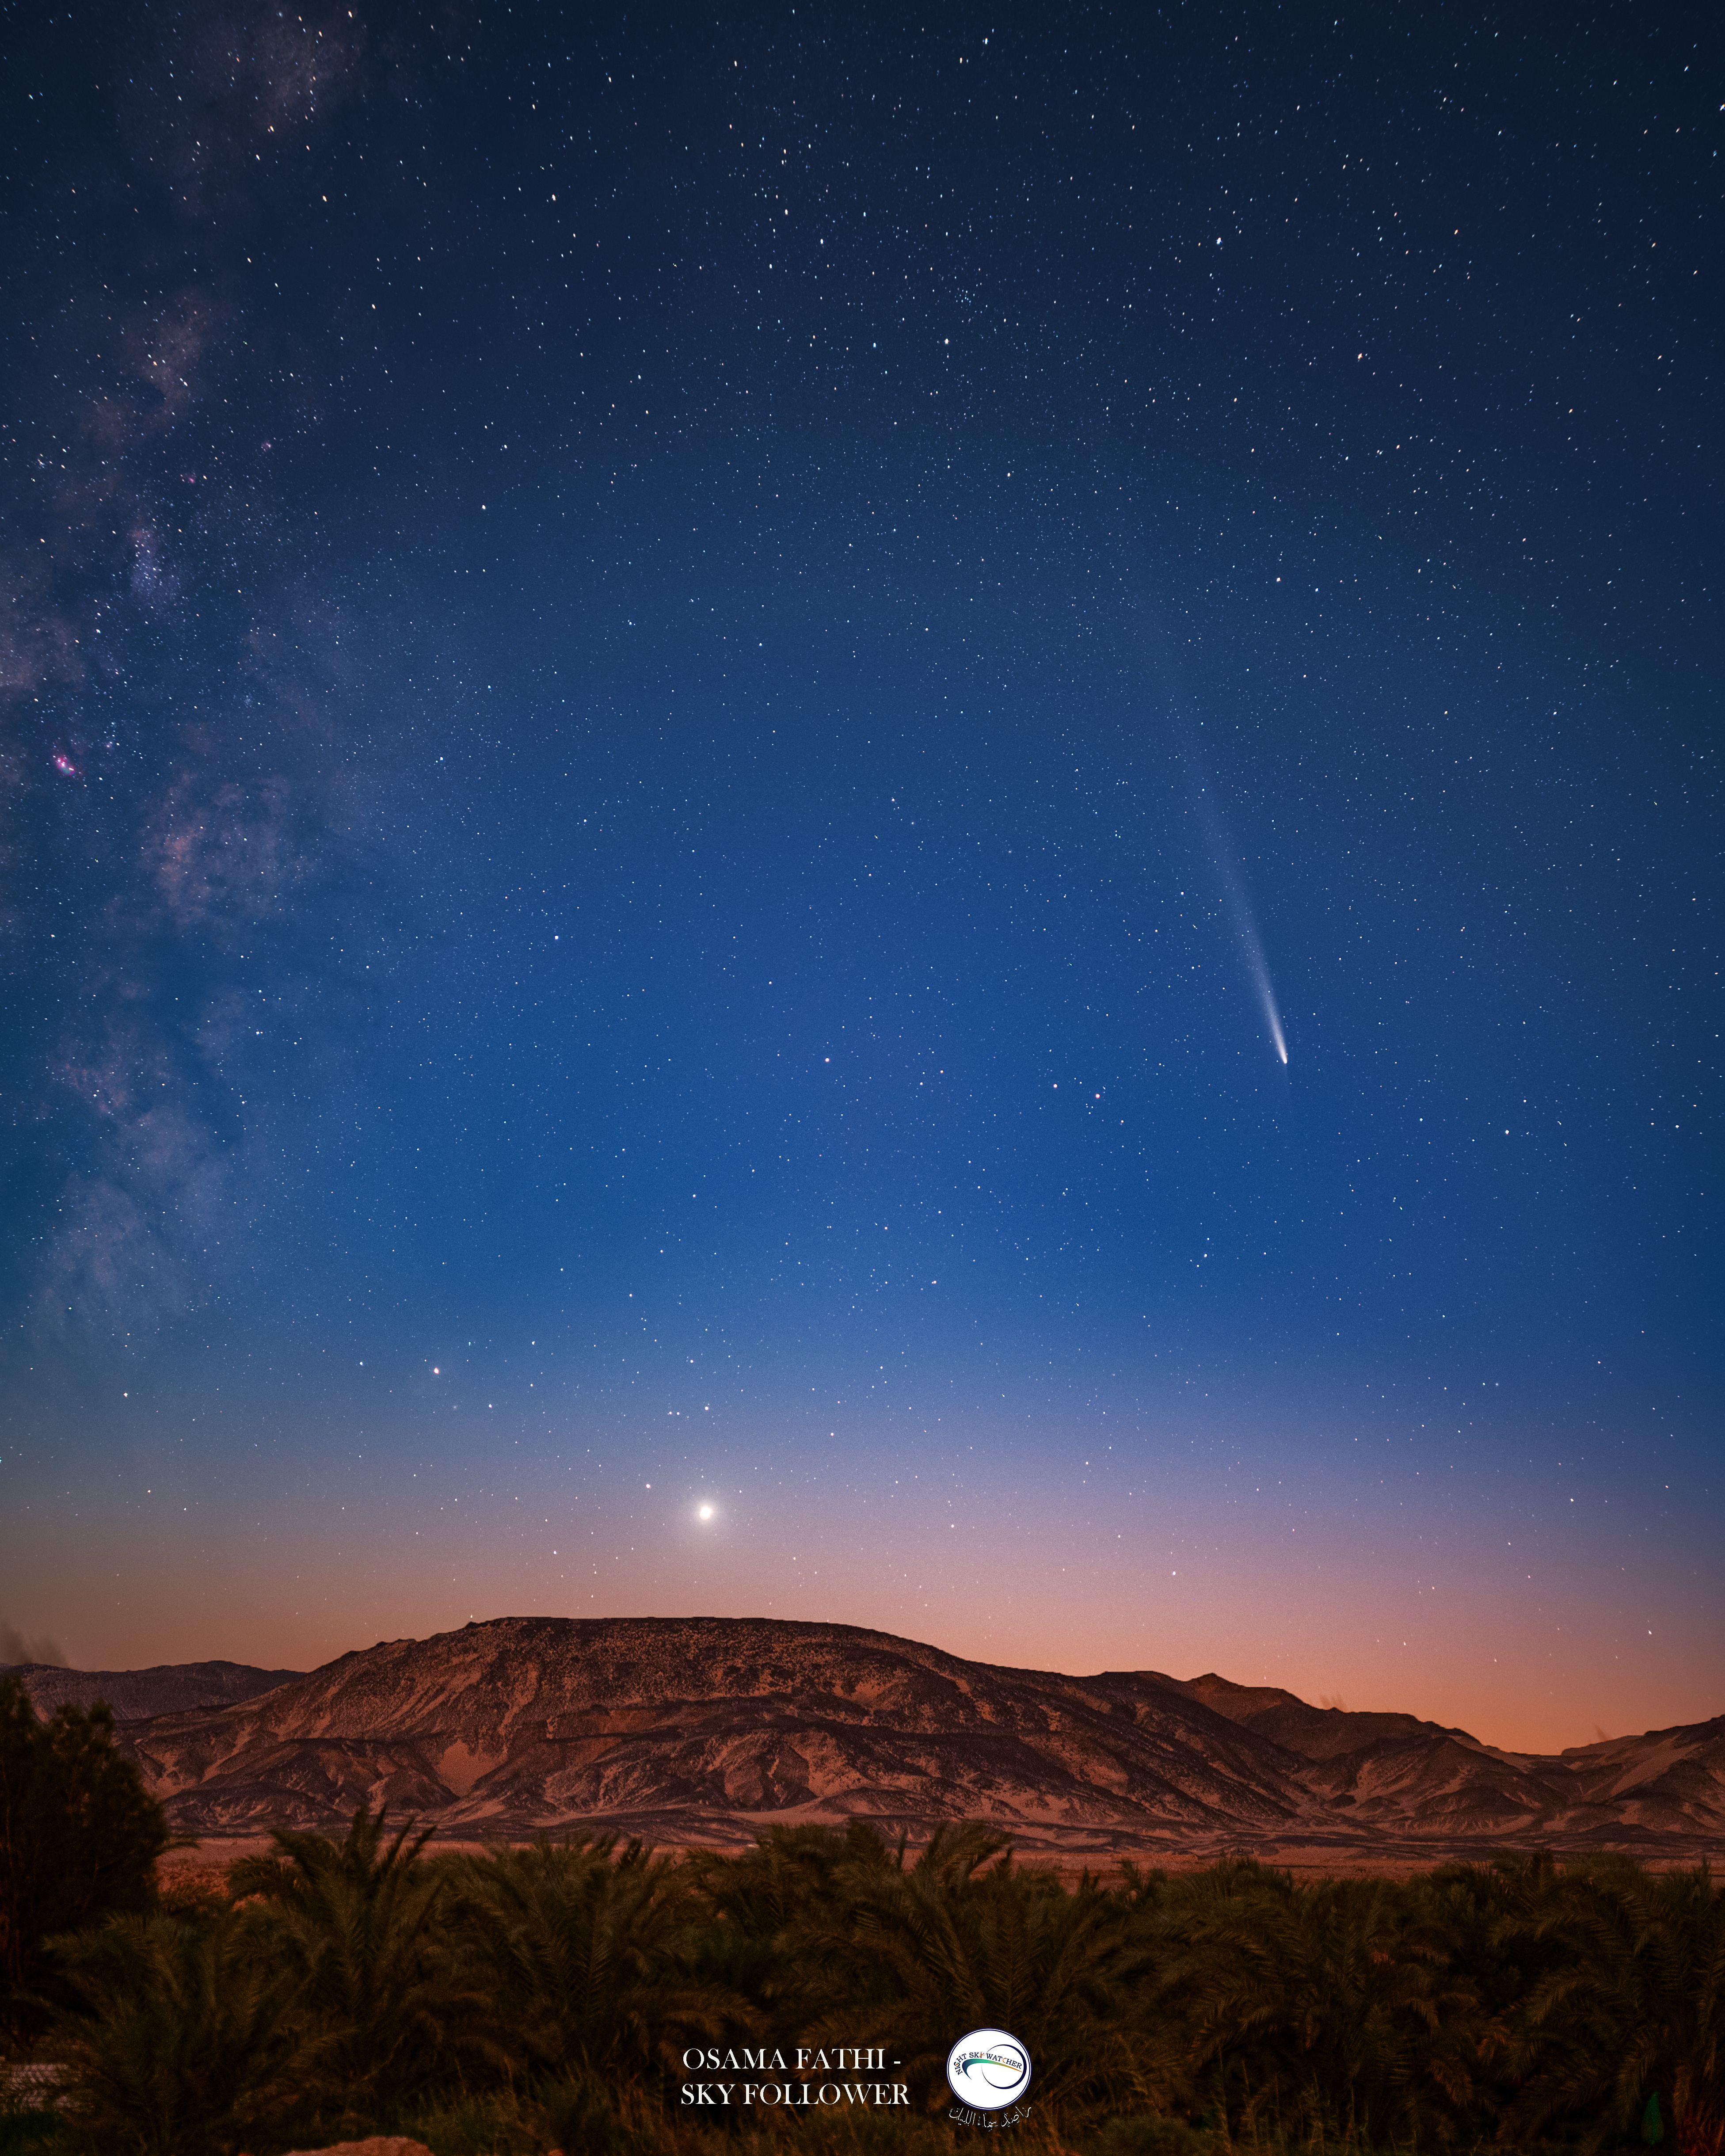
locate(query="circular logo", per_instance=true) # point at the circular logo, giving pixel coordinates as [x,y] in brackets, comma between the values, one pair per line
[988,2069]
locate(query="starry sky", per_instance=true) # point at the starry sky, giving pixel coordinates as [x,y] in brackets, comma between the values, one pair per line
[901,816]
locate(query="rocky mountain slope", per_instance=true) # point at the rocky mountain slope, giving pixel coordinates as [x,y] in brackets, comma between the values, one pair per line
[1394,1772]
[169,1688]
[709,1726]
[1315,1732]
[706,1729]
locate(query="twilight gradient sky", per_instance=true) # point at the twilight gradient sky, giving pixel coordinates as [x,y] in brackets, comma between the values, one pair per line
[687,698]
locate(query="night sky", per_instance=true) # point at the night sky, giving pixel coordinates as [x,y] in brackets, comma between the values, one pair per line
[909,818]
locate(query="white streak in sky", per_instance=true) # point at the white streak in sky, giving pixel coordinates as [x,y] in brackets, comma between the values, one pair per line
[1235,896]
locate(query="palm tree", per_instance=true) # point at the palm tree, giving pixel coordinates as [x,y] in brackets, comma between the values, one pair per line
[1633,2007]
[910,1956]
[588,1957]
[752,1904]
[178,2043]
[386,2013]
[1330,2010]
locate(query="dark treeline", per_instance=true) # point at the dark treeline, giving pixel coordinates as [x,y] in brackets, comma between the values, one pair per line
[546,1997]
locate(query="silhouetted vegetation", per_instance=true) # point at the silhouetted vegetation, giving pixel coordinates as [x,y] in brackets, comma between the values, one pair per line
[79,1838]
[547,1998]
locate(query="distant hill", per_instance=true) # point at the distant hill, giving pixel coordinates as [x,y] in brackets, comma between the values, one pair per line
[1315,1732]
[169,1688]
[1418,1778]
[707,1729]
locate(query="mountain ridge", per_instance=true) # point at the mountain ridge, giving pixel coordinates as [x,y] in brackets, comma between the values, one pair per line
[165,1688]
[698,1729]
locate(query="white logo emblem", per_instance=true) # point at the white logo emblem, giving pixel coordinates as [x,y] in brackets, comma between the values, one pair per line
[988,2069]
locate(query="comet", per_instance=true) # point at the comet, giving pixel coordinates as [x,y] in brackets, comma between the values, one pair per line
[1251,943]
[1234,894]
